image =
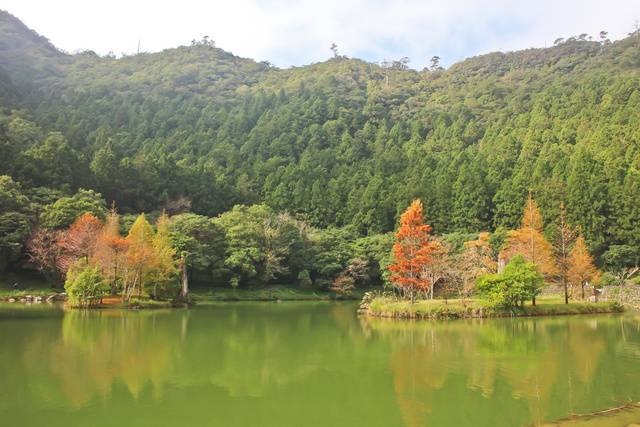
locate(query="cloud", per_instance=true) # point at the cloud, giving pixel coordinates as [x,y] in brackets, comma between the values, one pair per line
[299,32]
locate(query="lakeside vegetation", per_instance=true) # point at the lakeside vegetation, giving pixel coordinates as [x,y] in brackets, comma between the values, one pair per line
[393,307]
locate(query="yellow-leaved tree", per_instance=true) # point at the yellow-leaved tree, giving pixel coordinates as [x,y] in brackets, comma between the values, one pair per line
[140,258]
[165,272]
[529,241]
[581,268]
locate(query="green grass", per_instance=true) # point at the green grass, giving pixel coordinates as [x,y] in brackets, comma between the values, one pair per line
[28,284]
[390,306]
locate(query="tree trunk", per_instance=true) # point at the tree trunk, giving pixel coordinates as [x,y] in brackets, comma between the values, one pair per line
[184,288]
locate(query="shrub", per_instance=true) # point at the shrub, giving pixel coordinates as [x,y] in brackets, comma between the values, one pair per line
[517,283]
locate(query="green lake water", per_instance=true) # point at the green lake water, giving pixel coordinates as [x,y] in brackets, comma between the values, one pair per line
[307,364]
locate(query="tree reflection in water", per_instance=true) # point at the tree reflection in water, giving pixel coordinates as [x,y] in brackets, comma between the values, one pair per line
[555,365]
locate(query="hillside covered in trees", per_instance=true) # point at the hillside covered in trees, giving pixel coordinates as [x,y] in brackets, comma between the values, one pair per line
[335,144]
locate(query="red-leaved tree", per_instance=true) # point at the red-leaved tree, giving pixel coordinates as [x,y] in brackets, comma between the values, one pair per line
[412,251]
[79,241]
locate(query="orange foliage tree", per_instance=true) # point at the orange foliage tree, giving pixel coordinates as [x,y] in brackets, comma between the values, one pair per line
[412,251]
[581,268]
[529,241]
[111,249]
[79,242]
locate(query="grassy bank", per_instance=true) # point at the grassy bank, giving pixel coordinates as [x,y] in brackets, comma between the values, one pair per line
[28,284]
[389,306]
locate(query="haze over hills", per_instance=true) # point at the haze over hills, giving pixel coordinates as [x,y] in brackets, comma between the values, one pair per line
[342,142]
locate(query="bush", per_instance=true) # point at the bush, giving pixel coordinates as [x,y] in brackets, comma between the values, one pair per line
[517,283]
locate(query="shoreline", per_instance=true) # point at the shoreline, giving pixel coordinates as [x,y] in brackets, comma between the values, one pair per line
[199,296]
[390,307]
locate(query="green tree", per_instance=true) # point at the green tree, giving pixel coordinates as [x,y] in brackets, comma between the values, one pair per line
[61,214]
[85,284]
[199,242]
[518,282]
[15,221]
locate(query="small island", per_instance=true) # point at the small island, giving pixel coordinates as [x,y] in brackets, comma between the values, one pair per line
[508,286]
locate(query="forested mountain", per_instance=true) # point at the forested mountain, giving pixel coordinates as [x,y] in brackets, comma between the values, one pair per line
[342,142]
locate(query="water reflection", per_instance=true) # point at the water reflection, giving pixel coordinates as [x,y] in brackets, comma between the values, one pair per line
[554,365]
[312,363]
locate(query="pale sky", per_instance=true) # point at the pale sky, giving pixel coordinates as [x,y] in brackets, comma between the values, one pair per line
[299,32]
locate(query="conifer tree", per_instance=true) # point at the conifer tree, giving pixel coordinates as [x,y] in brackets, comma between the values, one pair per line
[581,268]
[140,257]
[412,251]
[79,241]
[529,241]
[110,251]
[164,269]
[564,237]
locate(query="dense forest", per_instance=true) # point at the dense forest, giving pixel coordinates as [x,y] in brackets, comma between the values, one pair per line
[333,152]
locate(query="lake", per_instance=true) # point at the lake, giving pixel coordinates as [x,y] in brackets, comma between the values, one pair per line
[307,363]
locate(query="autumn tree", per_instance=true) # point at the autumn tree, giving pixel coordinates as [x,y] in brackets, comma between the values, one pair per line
[530,242]
[139,258]
[438,267]
[581,268]
[79,241]
[111,249]
[165,272]
[44,252]
[411,251]
[479,256]
[344,284]
[477,259]
[563,239]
